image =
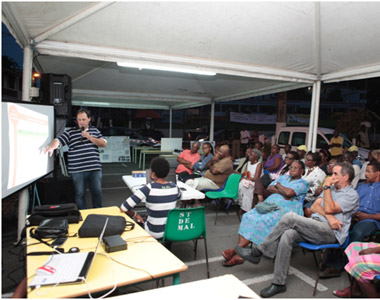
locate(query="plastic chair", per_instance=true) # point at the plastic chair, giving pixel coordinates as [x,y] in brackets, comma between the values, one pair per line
[186,224]
[230,191]
[216,190]
[323,248]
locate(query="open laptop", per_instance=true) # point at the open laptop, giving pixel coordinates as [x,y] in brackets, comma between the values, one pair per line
[170,177]
[67,267]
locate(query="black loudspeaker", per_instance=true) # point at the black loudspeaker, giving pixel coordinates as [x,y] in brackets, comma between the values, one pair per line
[53,191]
[56,89]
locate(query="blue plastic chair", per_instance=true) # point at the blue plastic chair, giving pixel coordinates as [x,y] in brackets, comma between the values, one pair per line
[217,190]
[314,248]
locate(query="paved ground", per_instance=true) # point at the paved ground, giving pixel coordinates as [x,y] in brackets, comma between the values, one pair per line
[223,235]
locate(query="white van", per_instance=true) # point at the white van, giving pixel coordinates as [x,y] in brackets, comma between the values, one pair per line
[297,135]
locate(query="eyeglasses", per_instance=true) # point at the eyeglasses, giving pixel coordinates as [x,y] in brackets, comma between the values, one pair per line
[287,157]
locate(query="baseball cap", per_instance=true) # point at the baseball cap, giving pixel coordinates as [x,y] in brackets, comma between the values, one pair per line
[353,149]
[302,148]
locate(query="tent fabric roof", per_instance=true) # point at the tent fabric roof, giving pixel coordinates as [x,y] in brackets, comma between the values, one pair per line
[255,48]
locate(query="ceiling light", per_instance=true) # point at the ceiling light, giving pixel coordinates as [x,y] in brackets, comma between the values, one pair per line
[165,68]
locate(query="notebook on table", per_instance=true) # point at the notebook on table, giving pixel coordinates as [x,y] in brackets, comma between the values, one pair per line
[67,267]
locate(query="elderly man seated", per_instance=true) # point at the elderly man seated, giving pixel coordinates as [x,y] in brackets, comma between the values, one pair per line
[219,168]
[329,224]
[366,222]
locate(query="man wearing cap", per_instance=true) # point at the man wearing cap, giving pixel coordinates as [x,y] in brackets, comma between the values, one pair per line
[336,144]
[301,150]
[354,150]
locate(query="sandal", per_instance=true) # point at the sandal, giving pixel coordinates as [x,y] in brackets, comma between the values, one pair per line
[345,293]
[228,254]
[235,260]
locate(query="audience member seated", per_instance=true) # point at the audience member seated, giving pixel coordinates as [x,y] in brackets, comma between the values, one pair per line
[287,149]
[330,167]
[259,146]
[329,224]
[349,157]
[314,177]
[363,265]
[354,150]
[219,168]
[376,154]
[302,150]
[159,196]
[261,192]
[200,167]
[289,158]
[324,156]
[253,172]
[274,162]
[288,192]
[186,161]
[243,163]
[365,223]
[363,169]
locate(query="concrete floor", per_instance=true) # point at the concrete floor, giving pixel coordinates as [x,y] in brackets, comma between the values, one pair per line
[221,236]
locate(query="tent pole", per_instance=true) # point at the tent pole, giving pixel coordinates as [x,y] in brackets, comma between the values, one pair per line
[317,87]
[212,121]
[170,122]
[311,121]
[26,84]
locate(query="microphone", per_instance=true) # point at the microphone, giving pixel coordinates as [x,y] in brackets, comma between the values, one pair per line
[81,137]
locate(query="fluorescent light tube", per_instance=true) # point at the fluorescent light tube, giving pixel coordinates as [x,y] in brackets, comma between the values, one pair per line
[164,68]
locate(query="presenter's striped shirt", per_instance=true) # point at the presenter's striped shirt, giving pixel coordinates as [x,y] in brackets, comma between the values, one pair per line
[83,155]
[160,199]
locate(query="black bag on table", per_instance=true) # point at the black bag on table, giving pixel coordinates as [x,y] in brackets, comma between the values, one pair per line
[68,211]
[50,228]
[93,225]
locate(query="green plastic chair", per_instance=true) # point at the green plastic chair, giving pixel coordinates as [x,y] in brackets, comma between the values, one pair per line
[230,191]
[186,224]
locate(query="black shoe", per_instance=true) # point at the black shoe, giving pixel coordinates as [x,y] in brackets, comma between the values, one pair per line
[252,255]
[329,272]
[272,290]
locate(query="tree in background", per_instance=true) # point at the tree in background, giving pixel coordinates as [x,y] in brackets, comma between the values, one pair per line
[10,64]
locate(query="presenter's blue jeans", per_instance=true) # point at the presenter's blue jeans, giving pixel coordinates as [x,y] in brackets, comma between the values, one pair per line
[94,180]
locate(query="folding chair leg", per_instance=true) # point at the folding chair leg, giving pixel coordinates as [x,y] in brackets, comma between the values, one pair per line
[207,266]
[217,201]
[319,266]
[195,248]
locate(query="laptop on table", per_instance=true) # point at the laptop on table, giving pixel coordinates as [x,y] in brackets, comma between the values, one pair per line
[66,267]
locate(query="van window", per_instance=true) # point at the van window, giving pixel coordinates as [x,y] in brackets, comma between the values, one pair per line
[321,142]
[283,139]
[298,138]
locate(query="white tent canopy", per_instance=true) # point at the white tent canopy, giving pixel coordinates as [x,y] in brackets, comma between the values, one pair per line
[255,48]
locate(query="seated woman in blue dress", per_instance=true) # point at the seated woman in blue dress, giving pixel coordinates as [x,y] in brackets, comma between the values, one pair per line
[288,194]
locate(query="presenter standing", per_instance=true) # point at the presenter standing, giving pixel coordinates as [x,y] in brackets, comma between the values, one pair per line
[83,156]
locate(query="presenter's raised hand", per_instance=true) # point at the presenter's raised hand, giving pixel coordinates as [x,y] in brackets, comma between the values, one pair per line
[50,149]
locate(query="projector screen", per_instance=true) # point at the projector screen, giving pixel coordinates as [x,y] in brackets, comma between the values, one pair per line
[26,129]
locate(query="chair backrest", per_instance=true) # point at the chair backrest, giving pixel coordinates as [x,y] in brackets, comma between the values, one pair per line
[232,186]
[184,224]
